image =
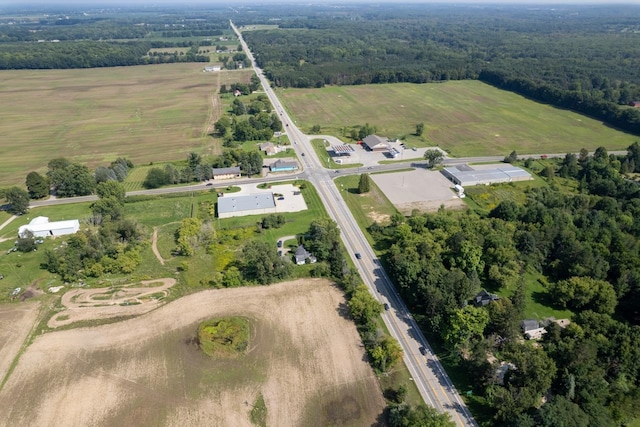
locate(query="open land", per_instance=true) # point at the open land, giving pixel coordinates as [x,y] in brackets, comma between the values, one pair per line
[92,116]
[465,118]
[16,321]
[304,358]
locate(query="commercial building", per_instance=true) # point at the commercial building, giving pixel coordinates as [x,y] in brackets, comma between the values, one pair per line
[465,175]
[251,204]
[226,173]
[283,166]
[375,143]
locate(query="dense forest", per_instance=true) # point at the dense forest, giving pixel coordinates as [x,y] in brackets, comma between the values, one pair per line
[582,246]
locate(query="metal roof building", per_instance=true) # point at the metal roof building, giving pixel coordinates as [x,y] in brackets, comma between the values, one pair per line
[466,175]
[251,204]
[342,149]
[41,227]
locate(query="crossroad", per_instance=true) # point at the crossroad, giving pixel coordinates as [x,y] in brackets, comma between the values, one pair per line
[426,371]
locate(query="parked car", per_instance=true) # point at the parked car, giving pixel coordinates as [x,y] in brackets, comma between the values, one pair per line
[279,243]
[281,198]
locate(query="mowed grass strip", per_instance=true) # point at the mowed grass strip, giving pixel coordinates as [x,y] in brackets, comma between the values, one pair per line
[145,113]
[466,118]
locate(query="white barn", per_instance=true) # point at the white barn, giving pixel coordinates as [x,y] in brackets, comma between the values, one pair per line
[41,227]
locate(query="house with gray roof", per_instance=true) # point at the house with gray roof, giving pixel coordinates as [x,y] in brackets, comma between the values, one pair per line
[302,255]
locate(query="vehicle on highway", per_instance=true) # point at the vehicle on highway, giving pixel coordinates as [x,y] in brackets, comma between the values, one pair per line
[209,184]
[358,256]
[386,306]
[423,351]
[302,154]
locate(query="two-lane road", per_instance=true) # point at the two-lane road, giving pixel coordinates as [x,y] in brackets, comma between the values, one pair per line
[427,372]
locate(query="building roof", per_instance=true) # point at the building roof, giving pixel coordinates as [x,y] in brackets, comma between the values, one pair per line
[226,171]
[529,325]
[245,203]
[465,173]
[342,149]
[375,141]
[282,164]
[484,298]
[41,223]
[263,146]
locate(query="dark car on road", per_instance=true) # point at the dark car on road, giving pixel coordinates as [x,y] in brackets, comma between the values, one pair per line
[358,256]
[386,306]
[423,351]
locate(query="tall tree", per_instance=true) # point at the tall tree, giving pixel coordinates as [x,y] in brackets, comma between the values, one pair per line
[434,157]
[37,185]
[419,129]
[364,184]
[18,200]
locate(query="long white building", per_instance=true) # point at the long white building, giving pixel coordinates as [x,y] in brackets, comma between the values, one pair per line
[41,227]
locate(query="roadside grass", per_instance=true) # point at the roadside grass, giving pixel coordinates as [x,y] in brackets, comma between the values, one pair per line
[465,118]
[144,113]
[366,208]
[327,160]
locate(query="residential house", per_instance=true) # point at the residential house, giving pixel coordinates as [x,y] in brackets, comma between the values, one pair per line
[302,255]
[484,298]
[270,149]
[532,329]
[226,173]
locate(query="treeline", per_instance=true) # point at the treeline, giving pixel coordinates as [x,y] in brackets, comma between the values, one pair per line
[588,63]
[582,248]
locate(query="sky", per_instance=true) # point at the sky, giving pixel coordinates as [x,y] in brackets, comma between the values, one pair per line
[94,3]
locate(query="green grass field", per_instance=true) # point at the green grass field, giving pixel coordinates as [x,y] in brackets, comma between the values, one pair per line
[92,116]
[466,118]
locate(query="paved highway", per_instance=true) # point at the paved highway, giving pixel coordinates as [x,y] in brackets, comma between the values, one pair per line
[427,372]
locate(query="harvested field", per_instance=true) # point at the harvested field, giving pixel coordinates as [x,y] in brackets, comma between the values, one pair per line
[303,357]
[16,321]
[92,116]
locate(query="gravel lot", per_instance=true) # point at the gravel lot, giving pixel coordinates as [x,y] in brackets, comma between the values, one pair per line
[420,189]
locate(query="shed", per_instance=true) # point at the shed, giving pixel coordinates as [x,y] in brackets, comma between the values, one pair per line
[41,227]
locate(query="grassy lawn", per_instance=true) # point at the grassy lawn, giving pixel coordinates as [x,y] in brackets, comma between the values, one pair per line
[487,197]
[466,118]
[145,113]
[366,208]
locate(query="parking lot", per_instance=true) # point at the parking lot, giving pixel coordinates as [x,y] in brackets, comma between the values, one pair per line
[420,189]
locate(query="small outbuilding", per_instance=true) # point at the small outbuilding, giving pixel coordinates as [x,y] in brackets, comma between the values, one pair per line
[41,227]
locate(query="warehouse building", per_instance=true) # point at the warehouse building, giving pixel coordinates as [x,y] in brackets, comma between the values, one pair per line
[41,227]
[465,175]
[251,204]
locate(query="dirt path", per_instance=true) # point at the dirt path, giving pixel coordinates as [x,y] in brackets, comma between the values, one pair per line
[304,357]
[4,224]
[154,245]
[104,303]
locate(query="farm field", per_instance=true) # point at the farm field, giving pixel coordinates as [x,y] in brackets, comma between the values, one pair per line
[303,358]
[465,118]
[145,113]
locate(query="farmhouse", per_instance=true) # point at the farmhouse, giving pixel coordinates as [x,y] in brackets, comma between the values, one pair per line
[465,175]
[270,149]
[375,143]
[41,227]
[226,173]
[302,255]
[251,204]
[283,166]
